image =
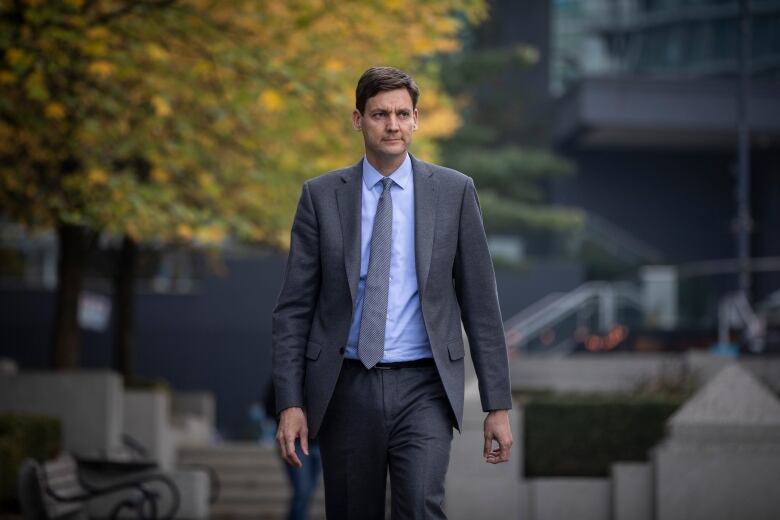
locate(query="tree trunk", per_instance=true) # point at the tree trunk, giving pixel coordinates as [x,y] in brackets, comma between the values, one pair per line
[124,308]
[73,248]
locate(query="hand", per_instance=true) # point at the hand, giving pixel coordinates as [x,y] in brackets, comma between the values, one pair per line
[497,429]
[292,425]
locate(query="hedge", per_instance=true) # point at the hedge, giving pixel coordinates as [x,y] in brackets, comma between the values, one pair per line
[23,436]
[581,435]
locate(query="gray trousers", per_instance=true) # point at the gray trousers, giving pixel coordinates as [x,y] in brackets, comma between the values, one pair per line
[377,420]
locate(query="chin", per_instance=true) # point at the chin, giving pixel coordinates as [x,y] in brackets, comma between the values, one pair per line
[395,148]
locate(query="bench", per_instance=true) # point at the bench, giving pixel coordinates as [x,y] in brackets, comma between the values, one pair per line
[59,489]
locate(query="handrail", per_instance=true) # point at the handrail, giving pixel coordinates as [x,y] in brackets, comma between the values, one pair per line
[558,306]
[550,311]
[534,307]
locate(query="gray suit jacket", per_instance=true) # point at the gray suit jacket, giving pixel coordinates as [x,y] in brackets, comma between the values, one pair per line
[314,311]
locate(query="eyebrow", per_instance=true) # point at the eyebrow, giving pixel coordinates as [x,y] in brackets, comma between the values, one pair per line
[385,110]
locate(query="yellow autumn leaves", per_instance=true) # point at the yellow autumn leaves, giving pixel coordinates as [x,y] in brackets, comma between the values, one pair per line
[54,110]
[198,120]
[161,106]
[271,100]
[101,68]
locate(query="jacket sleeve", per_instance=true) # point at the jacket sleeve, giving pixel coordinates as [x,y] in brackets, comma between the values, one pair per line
[292,316]
[475,287]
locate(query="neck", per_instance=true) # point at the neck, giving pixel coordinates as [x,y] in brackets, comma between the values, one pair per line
[385,164]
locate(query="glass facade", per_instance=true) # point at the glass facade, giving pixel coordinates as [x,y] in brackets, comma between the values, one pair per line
[659,38]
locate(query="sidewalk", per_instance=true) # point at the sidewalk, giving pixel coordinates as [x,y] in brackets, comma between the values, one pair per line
[474,488]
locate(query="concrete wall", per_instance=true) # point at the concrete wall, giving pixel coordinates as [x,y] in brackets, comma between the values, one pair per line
[561,498]
[720,460]
[626,495]
[201,404]
[622,372]
[193,418]
[767,370]
[147,421]
[632,491]
[721,457]
[616,372]
[717,482]
[89,404]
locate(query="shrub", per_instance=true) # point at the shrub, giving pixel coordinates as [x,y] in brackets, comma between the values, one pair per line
[581,435]
[23,436]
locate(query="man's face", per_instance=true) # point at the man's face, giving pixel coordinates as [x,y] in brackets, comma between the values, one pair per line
[387,124]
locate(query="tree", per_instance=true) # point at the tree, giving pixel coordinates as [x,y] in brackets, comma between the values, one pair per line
[511,178]
[192,120]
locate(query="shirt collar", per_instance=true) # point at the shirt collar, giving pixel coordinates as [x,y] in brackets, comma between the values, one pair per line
[400,177]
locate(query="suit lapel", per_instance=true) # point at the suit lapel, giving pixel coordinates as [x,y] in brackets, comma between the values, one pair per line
[349,196]
[424,219]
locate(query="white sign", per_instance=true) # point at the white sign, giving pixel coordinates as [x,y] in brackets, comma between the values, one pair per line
[94,311]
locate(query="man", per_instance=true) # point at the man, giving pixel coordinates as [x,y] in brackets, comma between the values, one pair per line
[387,257]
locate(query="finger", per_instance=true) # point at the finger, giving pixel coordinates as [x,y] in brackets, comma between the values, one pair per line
[285,453]
[495,457]
[499,455]
[295,461]
[282,446]
[503,448]
[305,442]
[280,443]
[292,457]
[488,444]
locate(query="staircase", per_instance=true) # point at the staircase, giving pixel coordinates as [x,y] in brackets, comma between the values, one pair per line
[253,481]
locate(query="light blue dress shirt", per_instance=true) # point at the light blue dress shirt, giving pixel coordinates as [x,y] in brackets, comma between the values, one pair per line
[405,336]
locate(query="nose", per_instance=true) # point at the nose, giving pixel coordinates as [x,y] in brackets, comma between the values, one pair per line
[392,123]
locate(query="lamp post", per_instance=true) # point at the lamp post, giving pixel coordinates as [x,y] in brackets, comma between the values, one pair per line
[744,223]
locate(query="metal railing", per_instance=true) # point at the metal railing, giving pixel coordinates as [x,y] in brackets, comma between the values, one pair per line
[592,299]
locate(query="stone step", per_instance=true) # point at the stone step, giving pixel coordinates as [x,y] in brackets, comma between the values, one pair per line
[261,515]
[238,468]
[274,511]
[253,482]
[232,494]
[278,502]
[216,459]
[252,479]
[234,447]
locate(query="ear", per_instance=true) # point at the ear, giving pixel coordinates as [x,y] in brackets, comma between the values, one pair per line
[356,120]
[416,116]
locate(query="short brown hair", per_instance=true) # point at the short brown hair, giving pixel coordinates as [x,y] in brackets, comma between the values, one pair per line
[381,79]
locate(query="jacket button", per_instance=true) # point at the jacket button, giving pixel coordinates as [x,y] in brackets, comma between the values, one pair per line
[342,350]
